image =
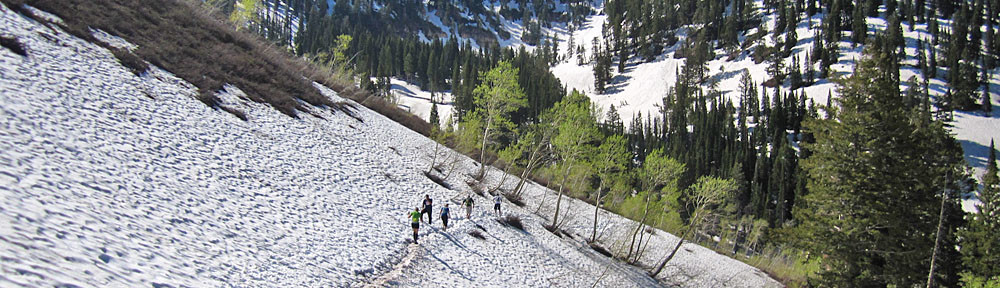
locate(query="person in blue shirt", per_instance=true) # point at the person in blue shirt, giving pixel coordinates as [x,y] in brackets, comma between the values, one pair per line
[444,215]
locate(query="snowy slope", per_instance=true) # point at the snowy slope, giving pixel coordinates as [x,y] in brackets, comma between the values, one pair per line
[112,179]
[642,85]
[409,97]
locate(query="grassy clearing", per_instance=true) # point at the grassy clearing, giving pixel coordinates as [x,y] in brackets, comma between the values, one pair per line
[790,269]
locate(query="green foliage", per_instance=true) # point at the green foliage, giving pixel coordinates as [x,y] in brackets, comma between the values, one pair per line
[435,119]
[974,281]
[660,172]
[710,191]
[611,159]
[659,175]
[339,48]
[869,159]
[576,126]
[469,134]
[497,96]
[980,240]
[575,123]
[245,12]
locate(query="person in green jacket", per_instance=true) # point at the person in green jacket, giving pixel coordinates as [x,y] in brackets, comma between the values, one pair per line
[415,222]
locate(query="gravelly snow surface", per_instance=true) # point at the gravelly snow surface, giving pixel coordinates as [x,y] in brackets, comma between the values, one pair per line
[111,179]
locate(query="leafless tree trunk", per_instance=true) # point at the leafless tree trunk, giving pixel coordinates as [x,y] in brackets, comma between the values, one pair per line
[708,191]
[597,208]
[638,229]
[937,240]
[482,150]
[534,160]
[562,186]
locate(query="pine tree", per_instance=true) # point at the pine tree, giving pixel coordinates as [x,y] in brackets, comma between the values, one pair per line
[782,181]
[868,158]
[966,81]
[980,244]
[990,195]
[859,28]
[434,118]
[791,39]
[987,101]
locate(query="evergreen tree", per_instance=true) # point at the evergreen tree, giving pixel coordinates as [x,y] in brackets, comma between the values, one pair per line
[987,101]
[859,28]
[434,118]
[224,6]
[980,241]
[602,69]
[868,160]
[791,39]
[783,182]
[966,81]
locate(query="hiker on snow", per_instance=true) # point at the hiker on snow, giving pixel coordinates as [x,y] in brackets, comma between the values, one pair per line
[496,203]
[468,206]
[428,209]
[444,215]
[415,222]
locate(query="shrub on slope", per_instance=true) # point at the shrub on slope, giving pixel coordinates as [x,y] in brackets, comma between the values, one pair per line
[13,45]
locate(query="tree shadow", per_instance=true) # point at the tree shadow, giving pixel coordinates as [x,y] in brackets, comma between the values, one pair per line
[403,91]
[617,84]
[975,154]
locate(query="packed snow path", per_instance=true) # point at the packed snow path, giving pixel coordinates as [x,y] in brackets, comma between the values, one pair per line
[112,179]
[412,252]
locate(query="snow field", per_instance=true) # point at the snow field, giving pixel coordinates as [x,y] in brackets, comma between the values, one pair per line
[409,97]
[174,192]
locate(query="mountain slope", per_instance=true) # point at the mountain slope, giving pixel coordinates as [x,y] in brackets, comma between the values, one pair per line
[109,178]
[641,87]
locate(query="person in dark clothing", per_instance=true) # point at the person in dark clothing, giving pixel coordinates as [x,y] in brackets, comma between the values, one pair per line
[496,203]
[428,209]
[415,222]
[444,215]
[468,206]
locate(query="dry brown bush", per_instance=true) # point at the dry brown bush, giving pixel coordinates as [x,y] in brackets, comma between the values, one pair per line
[130,60]
[13,45]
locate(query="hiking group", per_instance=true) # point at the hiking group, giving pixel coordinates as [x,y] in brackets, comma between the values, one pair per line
[427,208]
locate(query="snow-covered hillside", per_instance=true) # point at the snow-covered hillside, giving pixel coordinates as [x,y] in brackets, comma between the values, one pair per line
[113,179]
[477,25]
[409,97]
[641,87]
